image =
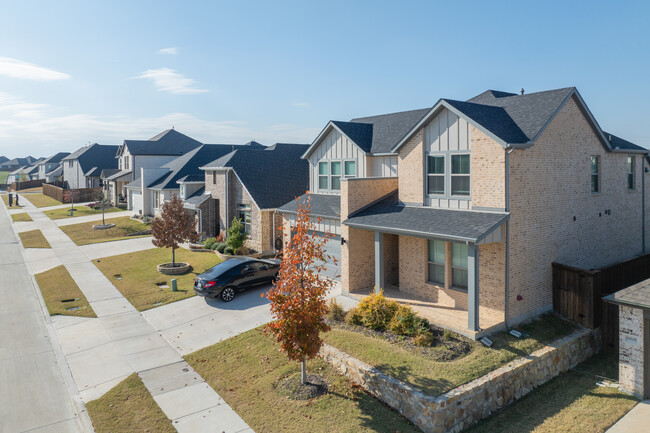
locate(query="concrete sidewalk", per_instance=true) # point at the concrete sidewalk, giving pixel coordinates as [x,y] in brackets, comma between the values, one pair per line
[36,390]
[90,218]
[635,421]
[102,352]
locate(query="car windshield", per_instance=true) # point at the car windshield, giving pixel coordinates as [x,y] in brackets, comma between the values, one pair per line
[220,269]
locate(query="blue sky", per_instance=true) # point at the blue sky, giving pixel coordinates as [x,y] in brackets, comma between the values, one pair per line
[73,72]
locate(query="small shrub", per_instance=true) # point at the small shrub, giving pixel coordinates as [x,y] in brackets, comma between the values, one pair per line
[220,247]
[447,334]
[228,250]
[377,311]
[353,317]
[425,339]
[406,322]
[236,234]
[221,237]
[209,243]
[336,311]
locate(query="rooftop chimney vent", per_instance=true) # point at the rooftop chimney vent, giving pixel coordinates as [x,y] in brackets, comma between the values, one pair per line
[522,90]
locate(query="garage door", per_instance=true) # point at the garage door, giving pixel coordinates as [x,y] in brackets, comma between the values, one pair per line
[332,246]
[135,202]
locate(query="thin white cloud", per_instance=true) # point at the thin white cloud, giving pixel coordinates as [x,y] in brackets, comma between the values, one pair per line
[39,129]
[171,50]
[168,80]
[15,68]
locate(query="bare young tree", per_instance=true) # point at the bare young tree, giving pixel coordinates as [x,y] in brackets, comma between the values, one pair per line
[173,227]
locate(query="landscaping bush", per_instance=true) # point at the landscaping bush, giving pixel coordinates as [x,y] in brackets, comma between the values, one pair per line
[220,247]
[336,311]
[209,243]
[377,311]
[353,317]
[406,322]
[228,250]
[425,339]
[221,237]
[236,235]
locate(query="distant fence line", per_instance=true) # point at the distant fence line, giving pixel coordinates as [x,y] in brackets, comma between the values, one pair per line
[80,194]
[19,186]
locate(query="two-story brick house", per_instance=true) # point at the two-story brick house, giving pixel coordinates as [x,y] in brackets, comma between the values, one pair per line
[250,184]
[488,194]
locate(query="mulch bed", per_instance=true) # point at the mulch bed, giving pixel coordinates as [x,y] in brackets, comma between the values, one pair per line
[292,388]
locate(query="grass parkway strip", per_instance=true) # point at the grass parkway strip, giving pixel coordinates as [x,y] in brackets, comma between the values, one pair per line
[81,210]
[62,295]
[21,217]
[5,199]
[34,239]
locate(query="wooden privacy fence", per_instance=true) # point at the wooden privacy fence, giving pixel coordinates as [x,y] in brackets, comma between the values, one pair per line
[578,293]
[19,186]
[80,194]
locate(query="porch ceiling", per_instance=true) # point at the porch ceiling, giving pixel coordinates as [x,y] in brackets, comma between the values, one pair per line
[389,216]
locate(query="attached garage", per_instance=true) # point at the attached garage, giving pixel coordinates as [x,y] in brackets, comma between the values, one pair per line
[332,246]
[135,201]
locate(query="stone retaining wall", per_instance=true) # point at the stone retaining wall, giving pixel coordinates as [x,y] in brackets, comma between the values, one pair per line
[465,405]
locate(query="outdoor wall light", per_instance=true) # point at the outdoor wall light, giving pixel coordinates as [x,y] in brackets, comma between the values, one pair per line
[343,241]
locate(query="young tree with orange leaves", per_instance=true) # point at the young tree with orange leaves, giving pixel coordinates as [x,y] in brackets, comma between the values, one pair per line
[173,227]
[298,297]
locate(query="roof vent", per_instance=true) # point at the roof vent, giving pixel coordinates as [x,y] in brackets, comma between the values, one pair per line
[522,90]
[610,138]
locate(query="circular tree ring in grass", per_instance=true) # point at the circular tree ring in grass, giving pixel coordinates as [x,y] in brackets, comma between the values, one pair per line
[179,269]
[102,226]
[291,388]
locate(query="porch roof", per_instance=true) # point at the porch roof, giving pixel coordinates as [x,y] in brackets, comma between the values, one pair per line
[637,295]
[322,205]
[124,175]
[389,216]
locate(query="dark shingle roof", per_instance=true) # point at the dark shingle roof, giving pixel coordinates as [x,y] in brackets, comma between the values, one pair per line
[322,205]
[273,176]
[189,164]
[360,133]
[389,129]
[637,295]
[387,215]
[109,172]
[55,158]
[494,119]
[3,159]
[197,198]
[18,162]
[95,158]
[169,142]
[618,143]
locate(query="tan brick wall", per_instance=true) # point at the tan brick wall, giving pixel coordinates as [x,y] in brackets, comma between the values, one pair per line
[630,368]
[549,186]
[410,166]
[358,253]
[391,259]
[488,176]
[492,281]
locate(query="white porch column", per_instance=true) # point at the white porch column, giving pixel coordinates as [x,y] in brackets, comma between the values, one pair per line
[379,261]
[472,287]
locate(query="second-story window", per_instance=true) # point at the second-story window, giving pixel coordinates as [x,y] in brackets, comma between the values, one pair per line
[323,175]
[595,174]
[350,168]
[436,174]
[460,172]
[335,170]
[630,172]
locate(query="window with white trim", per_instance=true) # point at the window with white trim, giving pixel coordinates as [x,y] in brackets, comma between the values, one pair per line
[156,199]
[330,173]
[459,265]
[323,175]
[335,176]
[630,172]
[350,168]
[436,261]
[460,174]
[595,174]
[244,214]
[436,174]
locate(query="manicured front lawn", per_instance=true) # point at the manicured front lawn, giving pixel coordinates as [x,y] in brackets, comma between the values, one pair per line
[136,277]
[128,408]
[84,234]
[39,199]
[434,376]
[5,199]
[62,295]
[24,216]
[245,369]
[81,210]
[572,402]
[34,239]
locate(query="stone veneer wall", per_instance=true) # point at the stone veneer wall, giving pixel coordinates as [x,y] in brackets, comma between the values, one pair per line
[630,348]
[465,405]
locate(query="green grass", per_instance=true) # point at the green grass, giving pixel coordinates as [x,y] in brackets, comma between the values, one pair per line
[572,402]
[139,275]
[128,408]
[3,176]
[39,199]
[5,200]
[23,216]
[81,210]
[34,239]
[244,370]
[84,234]
[57,286]
[436,377]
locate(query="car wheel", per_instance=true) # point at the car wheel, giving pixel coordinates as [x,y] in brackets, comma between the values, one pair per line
[227,294]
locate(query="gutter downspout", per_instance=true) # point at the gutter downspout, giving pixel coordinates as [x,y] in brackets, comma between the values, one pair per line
[509,150]
[227,207]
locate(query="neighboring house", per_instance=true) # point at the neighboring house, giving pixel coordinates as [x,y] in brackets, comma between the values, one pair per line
[134,155]
[16,163]
[83,167]
[360,148]
[634,338]
[50,168]
[3,159]
[250,184]
[489,193]
[153,186]
[25,173]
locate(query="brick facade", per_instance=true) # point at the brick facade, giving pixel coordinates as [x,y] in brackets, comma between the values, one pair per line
[631,342]
[410,162]
[488,178]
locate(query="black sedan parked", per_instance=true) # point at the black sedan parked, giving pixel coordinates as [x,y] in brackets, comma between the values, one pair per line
[235,275]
